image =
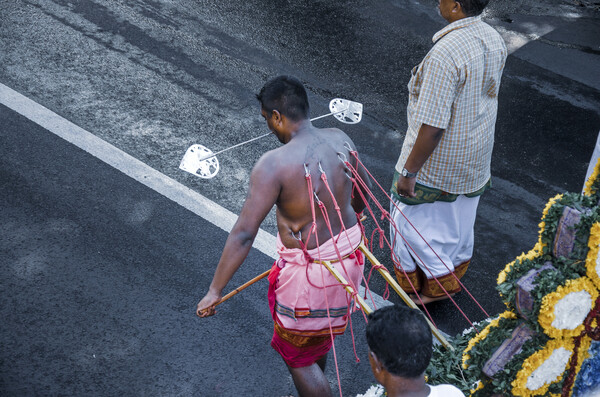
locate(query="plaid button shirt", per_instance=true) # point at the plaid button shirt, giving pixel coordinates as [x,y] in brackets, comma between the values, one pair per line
[455,88]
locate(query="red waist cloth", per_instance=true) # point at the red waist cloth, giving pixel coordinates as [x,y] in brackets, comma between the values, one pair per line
[306,350]
[295,357]
[308,305]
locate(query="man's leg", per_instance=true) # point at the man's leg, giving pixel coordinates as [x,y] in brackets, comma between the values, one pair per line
[322,362]
[408,274]
[452,238]
[311,381]
[430,222]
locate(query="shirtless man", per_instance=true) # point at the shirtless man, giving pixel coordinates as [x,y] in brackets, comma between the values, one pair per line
[299,285]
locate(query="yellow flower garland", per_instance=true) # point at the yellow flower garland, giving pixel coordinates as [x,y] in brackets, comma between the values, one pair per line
[531,255]
[587,190]
[547,316]
[550,203]
[537,249]
[533,362]
[502,275]
[592,256]
[482,335]
[479,387]
[542,224]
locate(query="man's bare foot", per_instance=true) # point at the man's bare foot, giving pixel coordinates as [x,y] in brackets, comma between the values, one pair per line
[427,299]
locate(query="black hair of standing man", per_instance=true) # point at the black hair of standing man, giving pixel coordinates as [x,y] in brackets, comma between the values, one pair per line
[472,8]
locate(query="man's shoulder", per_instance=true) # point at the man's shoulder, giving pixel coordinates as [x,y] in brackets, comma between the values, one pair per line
[445,48]
[453,42]
[475,31]
[461,44]
[492,36]
[278,160]
[335,135]
[442,56]
[331,130]
[267,161]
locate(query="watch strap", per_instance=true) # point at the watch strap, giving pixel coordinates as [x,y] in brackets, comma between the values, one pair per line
[408,174]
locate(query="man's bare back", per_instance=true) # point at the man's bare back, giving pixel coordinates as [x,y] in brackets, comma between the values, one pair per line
[318,149]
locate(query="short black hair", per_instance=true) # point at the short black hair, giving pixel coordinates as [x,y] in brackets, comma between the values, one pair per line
[287,95]
[472,8]
[401,339]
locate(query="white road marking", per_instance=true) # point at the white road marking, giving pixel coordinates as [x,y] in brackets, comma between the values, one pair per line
[141,172]
[129,165]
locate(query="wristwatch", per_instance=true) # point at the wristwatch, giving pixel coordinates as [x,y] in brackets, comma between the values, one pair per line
[407,174]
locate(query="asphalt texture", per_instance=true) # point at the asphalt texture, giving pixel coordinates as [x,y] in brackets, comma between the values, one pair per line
[98,296]
[100,275]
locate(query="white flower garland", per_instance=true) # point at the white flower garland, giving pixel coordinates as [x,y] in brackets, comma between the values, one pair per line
[563,311]
[374,391]
[571,311]
[550,370]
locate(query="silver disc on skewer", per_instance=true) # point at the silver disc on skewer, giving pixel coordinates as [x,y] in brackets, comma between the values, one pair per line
[346,111]
[202,162]
[195,162]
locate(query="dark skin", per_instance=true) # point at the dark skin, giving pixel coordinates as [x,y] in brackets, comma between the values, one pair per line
[278,178]
[397,386]
[427,140]
[451,10]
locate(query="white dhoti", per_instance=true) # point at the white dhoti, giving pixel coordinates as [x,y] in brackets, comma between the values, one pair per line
[448,228]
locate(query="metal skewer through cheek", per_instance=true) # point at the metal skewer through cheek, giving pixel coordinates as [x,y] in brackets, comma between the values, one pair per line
[202,162]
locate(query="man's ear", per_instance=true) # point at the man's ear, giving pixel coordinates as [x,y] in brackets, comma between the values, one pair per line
[378,365]
[458,10]
[277,117]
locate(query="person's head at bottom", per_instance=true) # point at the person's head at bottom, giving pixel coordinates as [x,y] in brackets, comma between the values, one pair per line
[400,348]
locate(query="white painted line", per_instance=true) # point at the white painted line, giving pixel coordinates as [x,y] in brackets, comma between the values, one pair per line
[129,165]
[141,172]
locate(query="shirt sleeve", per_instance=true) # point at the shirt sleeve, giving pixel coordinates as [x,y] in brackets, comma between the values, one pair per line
[438,82]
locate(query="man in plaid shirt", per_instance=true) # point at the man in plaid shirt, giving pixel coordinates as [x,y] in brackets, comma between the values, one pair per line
[445,161]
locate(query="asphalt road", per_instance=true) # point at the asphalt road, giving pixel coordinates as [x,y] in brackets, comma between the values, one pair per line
[98,295]
[152,78]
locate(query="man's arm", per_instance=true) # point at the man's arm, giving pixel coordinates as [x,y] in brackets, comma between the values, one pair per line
[427,140]
[262,195]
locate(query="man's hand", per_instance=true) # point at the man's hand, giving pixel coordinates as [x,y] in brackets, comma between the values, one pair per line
[206,307]
[406,186]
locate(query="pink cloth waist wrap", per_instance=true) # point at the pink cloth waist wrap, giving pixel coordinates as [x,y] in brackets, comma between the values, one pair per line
[305,298]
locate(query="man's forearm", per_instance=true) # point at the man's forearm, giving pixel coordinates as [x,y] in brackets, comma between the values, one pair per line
[235,252]
[427,140]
